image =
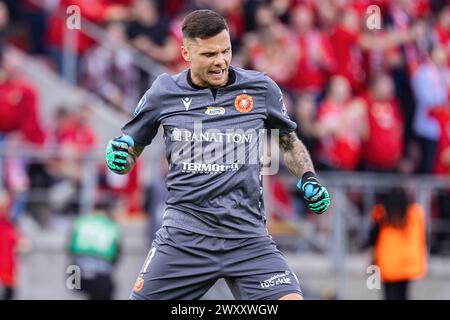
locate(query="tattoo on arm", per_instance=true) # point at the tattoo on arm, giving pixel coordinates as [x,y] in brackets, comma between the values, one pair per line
[296,156]
[133,154]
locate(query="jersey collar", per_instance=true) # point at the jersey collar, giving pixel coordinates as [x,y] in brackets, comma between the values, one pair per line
[231,79]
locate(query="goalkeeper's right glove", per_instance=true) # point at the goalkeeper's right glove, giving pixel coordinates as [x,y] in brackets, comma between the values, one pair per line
[117,153]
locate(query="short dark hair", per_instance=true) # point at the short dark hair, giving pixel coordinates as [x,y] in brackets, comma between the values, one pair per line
[203,24]
[395,201]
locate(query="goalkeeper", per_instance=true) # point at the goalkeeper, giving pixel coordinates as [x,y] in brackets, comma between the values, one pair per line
[214,224]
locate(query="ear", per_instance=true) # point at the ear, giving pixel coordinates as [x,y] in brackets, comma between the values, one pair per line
[185,53]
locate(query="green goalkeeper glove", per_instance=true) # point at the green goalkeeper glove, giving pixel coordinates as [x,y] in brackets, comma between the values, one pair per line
[315,194]
[117,153]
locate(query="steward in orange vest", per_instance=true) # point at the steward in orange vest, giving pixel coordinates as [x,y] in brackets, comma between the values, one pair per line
[399,240]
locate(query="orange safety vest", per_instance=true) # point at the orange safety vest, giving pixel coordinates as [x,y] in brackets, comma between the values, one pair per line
[401,252]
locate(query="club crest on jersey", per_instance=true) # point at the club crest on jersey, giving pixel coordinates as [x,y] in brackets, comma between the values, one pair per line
[139,284]
[243,103]
[215,111]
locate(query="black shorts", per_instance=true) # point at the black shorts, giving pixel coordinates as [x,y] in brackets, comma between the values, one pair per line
[184,265]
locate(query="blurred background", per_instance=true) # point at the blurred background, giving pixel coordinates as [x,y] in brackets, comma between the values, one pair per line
[367,82]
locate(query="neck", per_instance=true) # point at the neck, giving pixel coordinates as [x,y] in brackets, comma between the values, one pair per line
[198,82]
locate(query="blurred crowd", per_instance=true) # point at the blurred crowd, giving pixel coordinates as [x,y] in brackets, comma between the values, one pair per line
[366,96]
[368,85]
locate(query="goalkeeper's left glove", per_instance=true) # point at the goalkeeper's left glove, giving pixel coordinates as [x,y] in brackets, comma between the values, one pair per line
[315,194]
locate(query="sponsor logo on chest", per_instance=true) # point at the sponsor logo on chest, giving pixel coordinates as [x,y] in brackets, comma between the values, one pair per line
[215,111]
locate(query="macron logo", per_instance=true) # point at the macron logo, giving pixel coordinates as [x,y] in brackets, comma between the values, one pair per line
[187,102]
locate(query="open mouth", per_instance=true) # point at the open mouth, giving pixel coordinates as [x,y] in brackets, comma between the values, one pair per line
[216,74]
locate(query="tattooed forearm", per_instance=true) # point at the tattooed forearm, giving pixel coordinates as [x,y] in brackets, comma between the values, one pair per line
[133,154]
[296,156]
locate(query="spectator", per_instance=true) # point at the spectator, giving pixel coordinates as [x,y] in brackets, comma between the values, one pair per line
[272,48]
[179,63]
[149,32]
[109,69]
[442,162]
[95,248]
[282,202]
[77,138]
[62,121]
[44,175]
[383,149]
[398,235]
[364,53]
[430,84]
[442,167]
[340,127]
[172,8]
[94,11]
[36,23]
[19,108]
[327,13]
[127,189]
[80,137]
[408,16]
[442,29]
[305,113]
[20,124]
[9,239]
[404,58]
[233,12]
[315,60]
[347,51]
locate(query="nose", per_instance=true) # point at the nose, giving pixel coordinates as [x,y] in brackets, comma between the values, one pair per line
[220,60]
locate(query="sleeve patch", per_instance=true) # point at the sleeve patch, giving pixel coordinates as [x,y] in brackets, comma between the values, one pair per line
[140,105]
